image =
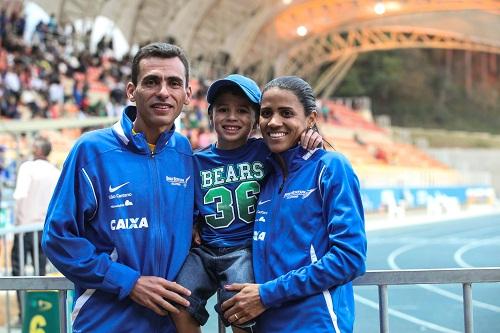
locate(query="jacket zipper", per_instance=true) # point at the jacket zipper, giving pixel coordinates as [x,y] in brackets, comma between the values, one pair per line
[156,212]
[275,220]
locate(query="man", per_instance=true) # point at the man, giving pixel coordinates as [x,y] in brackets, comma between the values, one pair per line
[120,221]
[35,184]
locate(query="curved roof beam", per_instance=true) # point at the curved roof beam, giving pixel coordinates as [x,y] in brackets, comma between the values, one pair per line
[71,10]
[323,16]
[320,16]
[240,41]
[188,21]
[304,59]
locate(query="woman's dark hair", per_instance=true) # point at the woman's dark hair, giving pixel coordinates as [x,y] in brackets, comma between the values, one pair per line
[298,87]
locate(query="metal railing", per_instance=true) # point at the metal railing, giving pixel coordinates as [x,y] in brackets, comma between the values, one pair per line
[25,283]
[12,232]
[464,276]
[381,279]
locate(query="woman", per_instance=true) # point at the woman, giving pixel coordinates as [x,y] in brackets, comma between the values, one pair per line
[309,236]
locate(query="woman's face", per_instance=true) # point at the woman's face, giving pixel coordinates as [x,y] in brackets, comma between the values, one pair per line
[282,119]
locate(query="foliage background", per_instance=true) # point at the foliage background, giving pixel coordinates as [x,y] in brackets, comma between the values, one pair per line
[423,88]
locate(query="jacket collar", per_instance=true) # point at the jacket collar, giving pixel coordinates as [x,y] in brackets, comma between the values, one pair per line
[137,142]
[293,159]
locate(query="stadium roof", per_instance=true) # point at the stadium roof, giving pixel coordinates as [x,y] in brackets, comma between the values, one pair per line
[264,38]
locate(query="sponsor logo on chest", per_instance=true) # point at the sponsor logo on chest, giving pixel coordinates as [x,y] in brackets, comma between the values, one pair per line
[113,189]
[129,223]
[302,194]
[259,235]
[175,181]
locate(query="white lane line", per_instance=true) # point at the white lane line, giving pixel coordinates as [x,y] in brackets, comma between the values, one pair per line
[472,245]
[405,316]
[391,259]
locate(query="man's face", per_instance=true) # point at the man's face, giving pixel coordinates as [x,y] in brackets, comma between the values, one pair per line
[160,93]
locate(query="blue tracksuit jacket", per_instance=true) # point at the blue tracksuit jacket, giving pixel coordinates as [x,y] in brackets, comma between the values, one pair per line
[118,212]
[309,243]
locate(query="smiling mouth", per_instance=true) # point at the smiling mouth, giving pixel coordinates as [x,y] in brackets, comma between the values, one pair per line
[277,135]
[162,107]
[231,128]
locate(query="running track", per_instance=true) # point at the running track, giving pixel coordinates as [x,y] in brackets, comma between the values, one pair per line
[466,242]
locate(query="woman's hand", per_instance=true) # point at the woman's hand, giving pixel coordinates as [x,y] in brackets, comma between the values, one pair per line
[245,305]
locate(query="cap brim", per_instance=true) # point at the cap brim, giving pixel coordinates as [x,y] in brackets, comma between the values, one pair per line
[214,88]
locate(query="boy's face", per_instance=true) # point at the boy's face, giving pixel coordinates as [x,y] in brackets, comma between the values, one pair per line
[233,118]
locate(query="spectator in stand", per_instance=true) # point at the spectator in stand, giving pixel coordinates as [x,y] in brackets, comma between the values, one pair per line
[325,111]
[52,24]
[56,95]
[3,25]
[357,138]
[381,155]
[204,137]
[35,184]
[116,103]
[11,81]
[80,89]
[9,106]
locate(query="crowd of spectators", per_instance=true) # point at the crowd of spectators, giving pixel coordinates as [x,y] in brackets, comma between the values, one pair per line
[56,75]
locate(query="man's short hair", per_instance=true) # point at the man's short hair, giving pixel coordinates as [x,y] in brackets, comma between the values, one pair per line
[43,144]
[159,50]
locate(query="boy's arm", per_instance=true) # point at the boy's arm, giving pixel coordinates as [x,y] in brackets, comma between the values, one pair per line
[311,139]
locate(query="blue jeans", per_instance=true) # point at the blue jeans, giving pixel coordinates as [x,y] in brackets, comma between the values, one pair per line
[206,271]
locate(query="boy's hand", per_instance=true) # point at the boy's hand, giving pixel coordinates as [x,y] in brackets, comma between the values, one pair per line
[311,139]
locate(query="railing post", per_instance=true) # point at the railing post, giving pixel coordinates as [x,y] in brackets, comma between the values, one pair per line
[222,328]
[383,310]
[20,253]
[36,254]
[21,272]
[6,272]
[468,310]
[63,316]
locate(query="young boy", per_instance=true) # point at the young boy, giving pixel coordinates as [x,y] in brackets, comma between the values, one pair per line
[228,177]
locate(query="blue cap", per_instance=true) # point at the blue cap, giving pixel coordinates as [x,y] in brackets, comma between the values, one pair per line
[247,85]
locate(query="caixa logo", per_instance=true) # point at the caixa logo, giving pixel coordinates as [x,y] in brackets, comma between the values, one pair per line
[129,223]
[259,235]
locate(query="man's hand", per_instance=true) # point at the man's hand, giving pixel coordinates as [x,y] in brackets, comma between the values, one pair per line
[158,294]
[245,305]
[311,139]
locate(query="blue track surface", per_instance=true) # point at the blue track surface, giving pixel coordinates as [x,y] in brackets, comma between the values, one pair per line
[468,242]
